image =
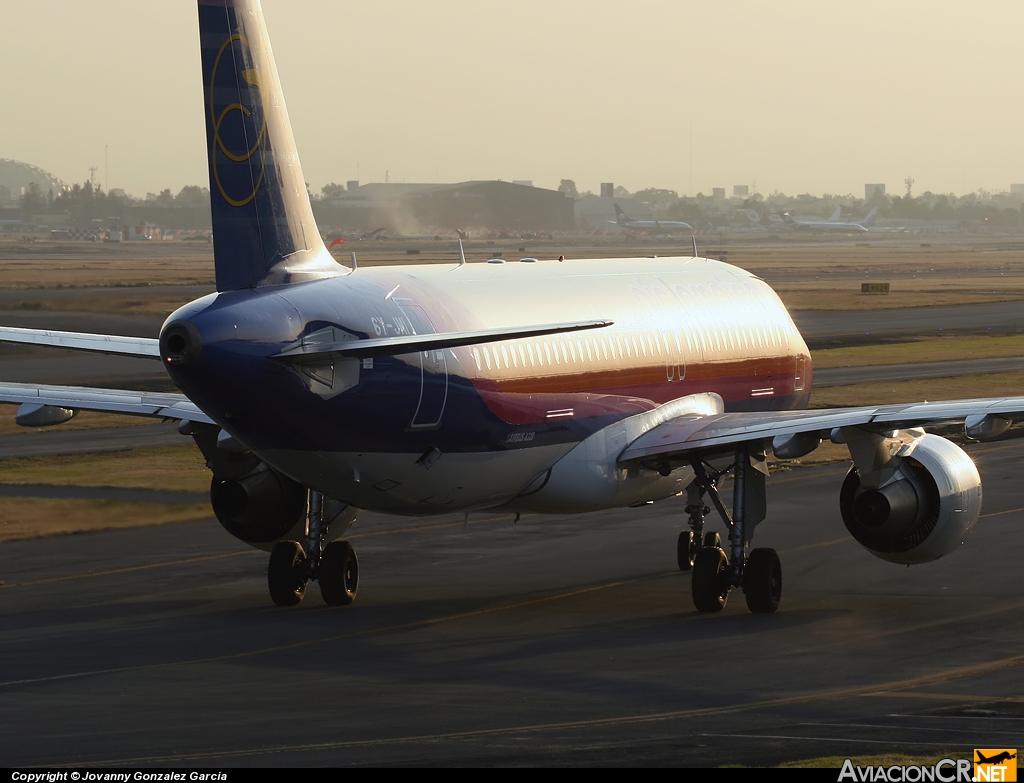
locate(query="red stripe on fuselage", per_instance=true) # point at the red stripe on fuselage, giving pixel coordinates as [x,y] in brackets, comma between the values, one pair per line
[531,400]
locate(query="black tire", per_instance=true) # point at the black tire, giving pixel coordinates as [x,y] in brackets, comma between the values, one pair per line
[762,581]
[338,574]
[712,541]
[709,581]
[284,577]
[686,550]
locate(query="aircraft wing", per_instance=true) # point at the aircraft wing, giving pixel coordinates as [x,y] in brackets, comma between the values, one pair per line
[140,347]
[162,405]
[690,434]
[327,345]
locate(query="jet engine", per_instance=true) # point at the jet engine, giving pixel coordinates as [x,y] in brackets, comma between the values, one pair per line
[924,508]
[259,508]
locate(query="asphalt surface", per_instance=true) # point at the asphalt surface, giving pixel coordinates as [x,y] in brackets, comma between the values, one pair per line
[50,442]
[829,327]
[557,640]
[847,376]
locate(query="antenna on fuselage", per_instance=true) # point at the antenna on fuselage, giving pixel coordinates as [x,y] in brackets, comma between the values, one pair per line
[462,254]
[355,264]
[692,237]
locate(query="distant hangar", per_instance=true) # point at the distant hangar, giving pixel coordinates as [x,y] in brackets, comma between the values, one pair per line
[474,205]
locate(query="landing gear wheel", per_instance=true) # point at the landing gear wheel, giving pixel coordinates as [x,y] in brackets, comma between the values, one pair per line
[686,550]
[762,581]
[712,540]
[709,583]
[338,574]
[284,573]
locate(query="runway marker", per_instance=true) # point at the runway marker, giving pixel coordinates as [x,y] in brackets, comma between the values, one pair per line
[833,695]
[948,697]
[337,637]
[1001,513]
[125,570]
[962,717]
[823,739]
[908,728]
[163,563]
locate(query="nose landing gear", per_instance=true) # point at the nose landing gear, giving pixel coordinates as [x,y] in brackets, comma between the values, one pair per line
[333,565]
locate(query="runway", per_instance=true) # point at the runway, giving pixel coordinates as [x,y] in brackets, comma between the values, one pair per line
[848,376]
[557,640]
[824,328]
[51,442]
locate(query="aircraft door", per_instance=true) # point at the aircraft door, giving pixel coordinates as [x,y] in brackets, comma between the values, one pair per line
[675,361]
[433,371]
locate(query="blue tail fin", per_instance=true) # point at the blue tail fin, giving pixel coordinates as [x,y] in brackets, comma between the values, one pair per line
[263,227]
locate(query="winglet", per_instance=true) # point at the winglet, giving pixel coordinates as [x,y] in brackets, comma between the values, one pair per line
[263,227]
[462,254]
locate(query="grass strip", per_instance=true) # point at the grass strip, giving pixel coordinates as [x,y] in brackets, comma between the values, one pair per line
[167,467]
[22,518]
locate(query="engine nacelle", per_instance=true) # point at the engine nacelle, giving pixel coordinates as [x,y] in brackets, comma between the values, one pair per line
[259,508]
[923,511]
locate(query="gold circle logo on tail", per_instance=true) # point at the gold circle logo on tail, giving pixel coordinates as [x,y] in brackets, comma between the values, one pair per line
[251,77]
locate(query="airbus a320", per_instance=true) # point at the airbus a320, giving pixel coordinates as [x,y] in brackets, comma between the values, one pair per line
[315,390]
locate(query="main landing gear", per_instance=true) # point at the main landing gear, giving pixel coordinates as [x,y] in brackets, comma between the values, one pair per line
[716,572]
[334,566]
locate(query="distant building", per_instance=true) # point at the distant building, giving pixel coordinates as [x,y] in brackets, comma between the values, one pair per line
[607,189]
[718,194]
[740,191]
[873,189]
[16,178]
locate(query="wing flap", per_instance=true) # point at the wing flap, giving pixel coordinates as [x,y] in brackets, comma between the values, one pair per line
[687,434]
[156,404]
[391,346]
[139,347]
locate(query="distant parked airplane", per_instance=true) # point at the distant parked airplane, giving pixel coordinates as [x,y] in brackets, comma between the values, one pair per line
[622,220]
[833,223]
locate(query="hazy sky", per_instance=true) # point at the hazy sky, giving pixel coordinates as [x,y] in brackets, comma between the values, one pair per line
[795,96]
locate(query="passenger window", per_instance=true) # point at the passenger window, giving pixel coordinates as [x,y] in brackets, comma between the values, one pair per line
[529,350]
[504,356]
[565,353]
[476,357]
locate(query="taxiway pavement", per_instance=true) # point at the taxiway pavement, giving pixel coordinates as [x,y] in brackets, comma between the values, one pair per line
[557,640]
[823,328]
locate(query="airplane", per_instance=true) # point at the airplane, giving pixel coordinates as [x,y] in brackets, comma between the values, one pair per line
[833,218]
[834,223]
[315,390]
[996,759]
[622,220]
